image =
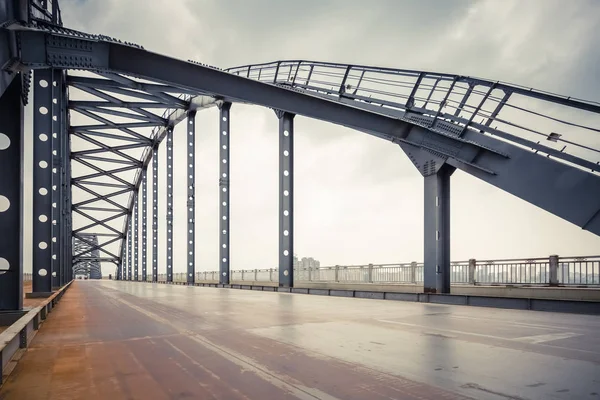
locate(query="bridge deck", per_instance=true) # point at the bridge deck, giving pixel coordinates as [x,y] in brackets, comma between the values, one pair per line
[122,340]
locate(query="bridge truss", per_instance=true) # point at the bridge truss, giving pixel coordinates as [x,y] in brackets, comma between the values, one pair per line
[102,109]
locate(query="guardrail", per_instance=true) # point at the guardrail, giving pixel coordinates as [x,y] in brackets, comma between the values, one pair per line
[18,336]
[27,277]
[583,271]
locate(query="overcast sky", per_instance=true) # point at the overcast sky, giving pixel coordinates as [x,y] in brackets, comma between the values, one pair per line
[358,199]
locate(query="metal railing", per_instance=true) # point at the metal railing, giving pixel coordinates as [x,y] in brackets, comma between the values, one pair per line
[556,126]
[553,270]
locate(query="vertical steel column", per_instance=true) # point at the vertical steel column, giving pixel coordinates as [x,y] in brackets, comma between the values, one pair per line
[144,225]
[58,220]
[11,197]
[191,213]
[286,199]
[129,248]
[436,271]
[68,195]
[170,204]
[123,265]
[155,215]
[42,182]
[224,225]
[136,239]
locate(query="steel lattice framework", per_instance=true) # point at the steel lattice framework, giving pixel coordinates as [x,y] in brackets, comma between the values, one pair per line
[102,109]
[88,262]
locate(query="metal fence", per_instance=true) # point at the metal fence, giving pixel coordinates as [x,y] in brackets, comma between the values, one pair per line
[568,271]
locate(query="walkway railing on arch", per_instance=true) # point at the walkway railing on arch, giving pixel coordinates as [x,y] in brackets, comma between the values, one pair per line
[583,271]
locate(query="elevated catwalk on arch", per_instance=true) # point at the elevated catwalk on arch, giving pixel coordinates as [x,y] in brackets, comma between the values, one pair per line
[107,107]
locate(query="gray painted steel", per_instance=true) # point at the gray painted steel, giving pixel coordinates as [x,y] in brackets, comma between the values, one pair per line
[42,181]
[170,205]
[224,180]
[135,238]
[286,199]
[437,231]
[144,225]
[434,121]
[129,250]
[155,215]
[11,188]
[191,193]
[58,133]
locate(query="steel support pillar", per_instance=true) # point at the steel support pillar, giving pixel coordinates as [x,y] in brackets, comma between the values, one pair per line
[286,199]
[136,239]
[170,204]
[59,133]
[63,201]
[155,215]
[144,225]
[437,231]
[42,181]
[11,197]
[191,208]
[68,201]
[129,248]
[224,225]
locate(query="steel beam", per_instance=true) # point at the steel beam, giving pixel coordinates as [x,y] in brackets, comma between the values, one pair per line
[437,231]
[11,197]
[144,225]
[170,205]
[191,208]
[224,225]
[286,198]
[58,135]
[42,181]
[129,248]
[155,215]
[68,198]
[136,239]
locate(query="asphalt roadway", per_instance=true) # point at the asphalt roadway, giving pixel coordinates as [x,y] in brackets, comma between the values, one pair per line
[124,340]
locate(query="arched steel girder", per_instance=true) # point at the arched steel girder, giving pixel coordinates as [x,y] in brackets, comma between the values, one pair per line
[118,142]
[494,154]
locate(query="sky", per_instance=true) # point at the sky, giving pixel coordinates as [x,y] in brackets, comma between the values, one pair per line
[358,199]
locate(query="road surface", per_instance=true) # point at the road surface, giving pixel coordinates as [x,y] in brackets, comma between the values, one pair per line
[123,340]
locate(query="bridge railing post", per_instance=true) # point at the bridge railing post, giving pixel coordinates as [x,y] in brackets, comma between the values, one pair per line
[337,273]
[309,274]
[370,274]
[553,270]
[413,272]
[472,267]
[255,275]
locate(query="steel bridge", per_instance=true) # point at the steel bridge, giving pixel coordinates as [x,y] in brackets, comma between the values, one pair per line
[102,109]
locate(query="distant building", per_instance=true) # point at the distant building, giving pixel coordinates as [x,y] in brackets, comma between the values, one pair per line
[303,265]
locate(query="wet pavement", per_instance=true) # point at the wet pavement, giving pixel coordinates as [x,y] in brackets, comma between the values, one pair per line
[122,340]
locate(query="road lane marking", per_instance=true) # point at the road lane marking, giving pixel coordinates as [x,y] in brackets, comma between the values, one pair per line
[442,330]
[541,343]
[546,338]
